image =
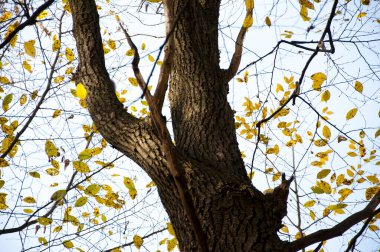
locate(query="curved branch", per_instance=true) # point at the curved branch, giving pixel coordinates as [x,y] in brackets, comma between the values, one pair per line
[339,229]
[352,243]
[236,58]
[30,21]
[131,243]
[169,151]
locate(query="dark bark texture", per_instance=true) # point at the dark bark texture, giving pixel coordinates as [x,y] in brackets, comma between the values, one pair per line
[233,214]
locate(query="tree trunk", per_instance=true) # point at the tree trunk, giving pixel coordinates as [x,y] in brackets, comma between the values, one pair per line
[233,214]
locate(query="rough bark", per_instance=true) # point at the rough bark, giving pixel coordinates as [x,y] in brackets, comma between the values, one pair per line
[233,214]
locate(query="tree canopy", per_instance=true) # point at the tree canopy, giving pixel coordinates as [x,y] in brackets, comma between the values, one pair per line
[189,125]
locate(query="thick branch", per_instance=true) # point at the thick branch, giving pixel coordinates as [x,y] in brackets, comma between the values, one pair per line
[30,21]
[159,94]
[339,229]
[169,151]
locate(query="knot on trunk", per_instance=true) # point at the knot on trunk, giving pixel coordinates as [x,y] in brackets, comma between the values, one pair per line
[278,200]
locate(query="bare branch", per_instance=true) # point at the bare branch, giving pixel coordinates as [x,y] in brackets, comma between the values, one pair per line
[159,94]
[169,150]
[339,229]
[131,243]
[30,21]
[236,58]
[351,245]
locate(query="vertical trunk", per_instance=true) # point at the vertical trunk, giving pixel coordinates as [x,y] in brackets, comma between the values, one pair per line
[234,216]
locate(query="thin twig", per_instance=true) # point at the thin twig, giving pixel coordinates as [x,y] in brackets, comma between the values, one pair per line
[30,21]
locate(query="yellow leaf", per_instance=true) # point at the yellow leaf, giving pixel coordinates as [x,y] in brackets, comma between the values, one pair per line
[44,221]
[362,14]
[320,142]
[52,171]
[92,189]
[249,4]
[143,46]
[28,211]
[43,241]
[312,216]
[150,184]
[59,79]
[3,204]
[56,113]
[370,192]
[285,229]
[377,133]
[307,4]
[3,162]
[326,132]
[81,201]
[58,195]
[112,44]
[324,186]
[344,192]
[170,228]
[81,91]
[50,149]
[29,200]
[43,14]
[130,52]
[34,94]
[56,45]
[365,2]
[297,236]
[358,86]
[268,22]
[352,154]
[304,13]
[57,229]
[362,134]
[26,66]
[309,203]
[133,81]
[6,15]
[69,54]
[85,154]
[29,48]
[150,58]
[2,182]
[171,244]
[373,179]
[81,167]
[279,88]
[104,218]
[351,113]
[318,79]
[350,173]
[68,244]
[7,100]
[325,96]
[23,99]
[248,21]
[4,80]
[373,227]
[276,176]
[138,241]
[323,173]
[35,174]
